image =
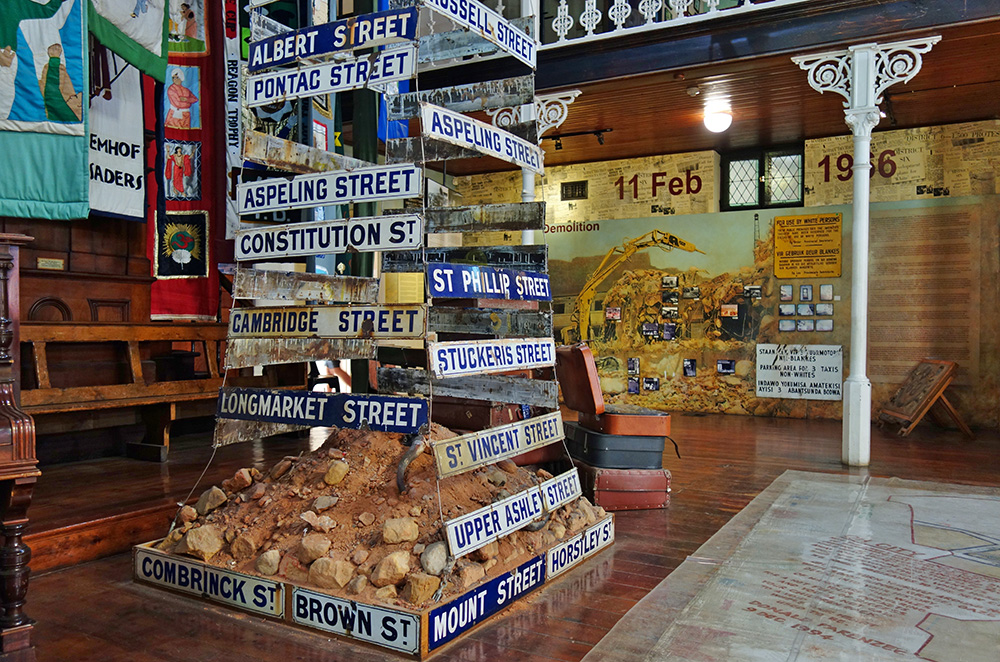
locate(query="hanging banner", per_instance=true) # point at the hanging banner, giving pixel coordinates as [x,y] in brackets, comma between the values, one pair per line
[392,182]
[182,245]
[493,27]
[457,129]
[328,322]
[482,357]
[385,413]
[134,29]
[117,184]
[469,281]
[386,66]
[365,31]
[187,28]
[460,454]
[234,128]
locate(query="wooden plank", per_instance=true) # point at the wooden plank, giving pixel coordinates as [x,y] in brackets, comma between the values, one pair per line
[379,321]
[38,349]
[212,358]
[463,43]
[115,395]
[295,157]
[474,97]
[135,362]
[120,332]
[428,149]
[229,431]
[294,286]
[532,258]
[500,323]
[249,352]
[488,388]
[359,235]
[486,218]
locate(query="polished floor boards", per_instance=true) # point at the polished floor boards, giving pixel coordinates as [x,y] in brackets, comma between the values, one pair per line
[92,611]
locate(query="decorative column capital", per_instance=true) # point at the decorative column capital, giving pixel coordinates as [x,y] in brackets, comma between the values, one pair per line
[862,120]
[551,111]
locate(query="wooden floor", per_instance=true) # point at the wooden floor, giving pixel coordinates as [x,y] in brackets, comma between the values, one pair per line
[92,611]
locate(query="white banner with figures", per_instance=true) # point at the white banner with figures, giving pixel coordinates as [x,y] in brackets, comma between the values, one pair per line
[117,182]
[234,127]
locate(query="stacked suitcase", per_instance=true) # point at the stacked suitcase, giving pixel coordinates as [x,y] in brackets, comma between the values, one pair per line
[618,450]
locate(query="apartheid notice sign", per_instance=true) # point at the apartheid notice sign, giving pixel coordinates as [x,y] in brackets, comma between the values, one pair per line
[469,532]
[385,413]
[464,613]
[365,31]
[465,281]
[328,322]
[490,25]
[374,624]
[807,246]
[476,449]
[390,65]
[810,372]
[363,235]
[392,182]
[457,129]
[483,357]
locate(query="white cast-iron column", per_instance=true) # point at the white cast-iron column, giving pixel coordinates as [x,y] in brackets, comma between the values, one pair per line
[861,74]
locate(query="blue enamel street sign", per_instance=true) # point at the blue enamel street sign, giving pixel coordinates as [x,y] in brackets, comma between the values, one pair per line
[469,281]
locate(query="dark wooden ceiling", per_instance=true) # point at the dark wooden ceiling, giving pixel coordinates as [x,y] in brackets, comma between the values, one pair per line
[771,101]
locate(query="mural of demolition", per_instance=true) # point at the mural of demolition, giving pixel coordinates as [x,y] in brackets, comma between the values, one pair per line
[687,308]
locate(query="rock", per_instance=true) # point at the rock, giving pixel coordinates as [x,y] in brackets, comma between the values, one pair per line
[575,522]
[280,469]
[324,503]
[310,518]
[240,481]
[203,542]
[434,559]
[744,367]
[313,546]
[246,544]
[486,552]
[336,454]
[187,514]
[357,585]
[386,593]
[209,500]
[324,523]
[601,513]
[543,474]
[336,472]
[366,518]
[392,569]
[558,530]
[291,569]
[416,511]
[400,529]
[258,490]
[497,477]
[587,510]
[419,548]
[489,564]
[470,573]
[327,573]
[420,587]
[507,466]
[268,562]
[360,556]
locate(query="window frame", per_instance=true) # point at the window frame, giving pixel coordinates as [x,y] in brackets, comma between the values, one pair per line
[761,156]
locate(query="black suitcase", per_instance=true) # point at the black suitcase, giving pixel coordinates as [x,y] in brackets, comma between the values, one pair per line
[614,451]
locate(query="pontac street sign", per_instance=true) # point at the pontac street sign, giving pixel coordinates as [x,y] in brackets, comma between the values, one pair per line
[364,235]
[387,66]
[365,31]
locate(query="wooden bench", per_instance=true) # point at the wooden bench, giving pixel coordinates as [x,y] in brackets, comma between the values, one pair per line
[77,377]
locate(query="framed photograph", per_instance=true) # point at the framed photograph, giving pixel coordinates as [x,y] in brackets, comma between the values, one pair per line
[669,331]
[785,293]
[186,34]
[690,367]
[182,170]
[824,309]
[826,292]
[691,293]
[650,329]
[651,383]
[633,385]
[726,366]
[805,292]
[786,325]
[632,364]
[786,309]
[729,310]
[824,325]
[805,309]
[669,297]
[668,281]
[669,312]
[181,107]
[752,291]
[805,325]
[613,314]
[182,245]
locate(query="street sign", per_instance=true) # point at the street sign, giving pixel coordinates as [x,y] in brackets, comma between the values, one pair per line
[457,129]
[490,25]
[328,322]
[465,281]
[481,357]
[477,449]
[363,235]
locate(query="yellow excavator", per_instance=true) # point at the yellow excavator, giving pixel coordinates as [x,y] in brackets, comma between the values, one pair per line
[579,328]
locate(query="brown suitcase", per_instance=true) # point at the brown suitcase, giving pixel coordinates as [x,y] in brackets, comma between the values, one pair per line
[628,420]
[466,414]
[625,489]
[577,375]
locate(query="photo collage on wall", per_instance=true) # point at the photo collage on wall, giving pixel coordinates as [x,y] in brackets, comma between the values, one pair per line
[806,314]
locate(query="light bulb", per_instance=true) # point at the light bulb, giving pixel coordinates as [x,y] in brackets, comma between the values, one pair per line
[718,121]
